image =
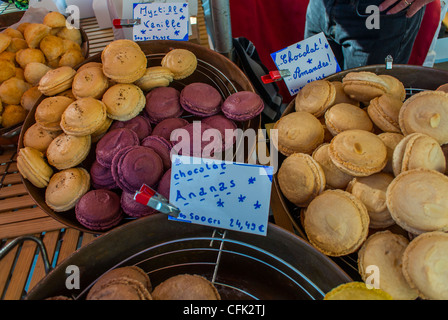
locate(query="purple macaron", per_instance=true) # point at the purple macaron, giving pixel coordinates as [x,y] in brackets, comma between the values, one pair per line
[132,208]
[161,146]
[164,185]
[165,127]
[112,142]
[101,177]
[139,124]
[242,106]
[200,99]
[135,166]
[225,126]
[99,210]
[163,103]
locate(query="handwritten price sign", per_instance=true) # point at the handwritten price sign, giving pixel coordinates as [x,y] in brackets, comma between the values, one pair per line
[161,21]
[309,60]
[221,194]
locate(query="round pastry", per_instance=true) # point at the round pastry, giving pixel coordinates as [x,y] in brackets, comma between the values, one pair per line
[201,99]
[49,112]
[123,61]
[13,33]
[161,146]
[72,34]
[140,125]
[242,106]
[57,80]
[54,19]
[336,223]
[13,114]
[358,152]
[99,210]
[90,82]
[194,140]
[101,177]
[5,41]
[371,191]
[299,132]
[66,187]
[91,64]
[135,166]
[121,288]
[395,86]
[12,90]
[363,86]
[67,151]
[133,208]
[424,265]
[33,167]
[384,111]
[16,45]
[301,179]
[112,142]
[357,291]
[164,185]
[417,200]
[83,117]
[344,116]
[28,55]
[225,126]
[415,116]
[418,150]
[186,287]
[34,33]
[165,127]
[52,47]
[181,62]
[163,103]
[335,178]
[7,70]
[384,250]
[154,77]
[341,96]
[124,101]
[34,71]
[71,58]
[391,140]
[38,138]
[316,97]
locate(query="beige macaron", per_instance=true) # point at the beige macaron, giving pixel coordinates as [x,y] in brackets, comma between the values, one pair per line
[90,82]
[49,112]
[395,86]
[384,111]
[301,179]
[181,62]
[67,151]
[299,132]
[124,101]
[154,77]
[345,116]
[83,117]
[416,116]
[57,80]
[336,222]
[363,86]
[371,191]
[358,152]
[335,178]
[391,140]
[33,167]
[38,138]
[66,187]
[341,96]
[186,287]
[425,265]
[417,200]
[382,253]
[315,97]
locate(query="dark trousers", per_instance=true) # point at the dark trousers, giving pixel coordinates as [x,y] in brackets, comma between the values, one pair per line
[344,24]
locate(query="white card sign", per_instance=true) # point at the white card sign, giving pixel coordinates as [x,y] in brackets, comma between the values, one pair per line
[161,21]
[221,194]
[308,60]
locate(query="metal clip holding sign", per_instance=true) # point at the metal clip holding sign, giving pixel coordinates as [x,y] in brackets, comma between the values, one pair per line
[275,76]
[149,197]
[125,23]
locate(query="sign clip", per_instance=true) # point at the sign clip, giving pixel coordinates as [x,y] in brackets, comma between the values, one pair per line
[125,23]
[149,197]
[275,76]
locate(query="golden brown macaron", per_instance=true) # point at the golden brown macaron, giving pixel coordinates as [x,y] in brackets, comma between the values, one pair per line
[391,140]
[363,86]
[57,80]
[334,177]
[33,167]
[301,179]
[121,288]
[181,62]
[186,287]
[384,111]
[358,152]
[13,114]
[49,112]
[12,90]
[299,132]
[66,187]
[425,265]
[384,250]
[371,191]
[316,97]
[67,151]
[415,116]
[154,77]
[395,87]
[357,291]
[30,98]
[336,222]
[124,101]
[38,138]
[341,96]
[83,117]
[417,200]
[345,116]
[90,82]
[418,150]
[34,33]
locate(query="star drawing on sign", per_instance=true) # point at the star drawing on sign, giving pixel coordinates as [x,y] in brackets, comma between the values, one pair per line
[309,61]
[220,203]
[241,198]
[326,46]
[182,17]
[176,32]
[252,180]
[299,46]
[143,31]
[257,205]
